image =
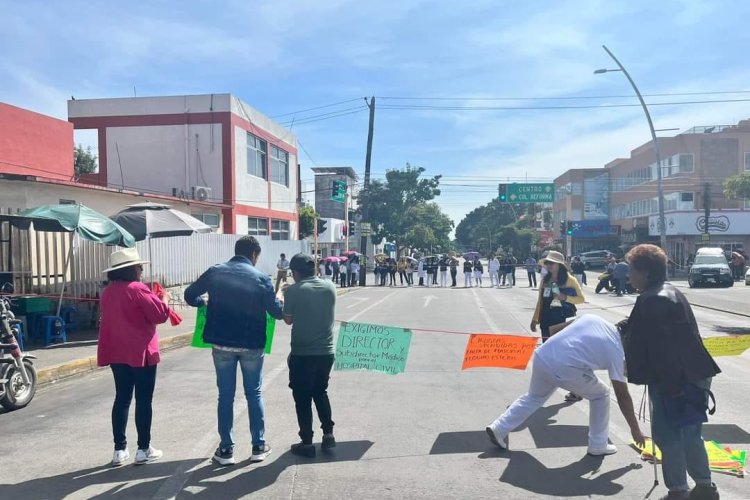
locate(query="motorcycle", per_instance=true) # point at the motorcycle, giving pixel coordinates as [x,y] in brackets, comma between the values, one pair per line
[606,282]
[17,373]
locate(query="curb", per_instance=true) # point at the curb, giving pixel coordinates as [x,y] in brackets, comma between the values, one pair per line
[81,366]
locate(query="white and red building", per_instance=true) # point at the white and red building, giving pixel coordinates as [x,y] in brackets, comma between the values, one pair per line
[211,149]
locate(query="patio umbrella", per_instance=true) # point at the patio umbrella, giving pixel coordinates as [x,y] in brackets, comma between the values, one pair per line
[78,219]
[156,220]
[331,259]
[471,255]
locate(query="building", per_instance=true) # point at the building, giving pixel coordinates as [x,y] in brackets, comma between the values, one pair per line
[210,148]
[332,241]
[694,165]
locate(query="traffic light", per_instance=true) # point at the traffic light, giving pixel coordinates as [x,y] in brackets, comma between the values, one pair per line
[563,227]
[569,229]
[321,226]
[351,228]
[502,190]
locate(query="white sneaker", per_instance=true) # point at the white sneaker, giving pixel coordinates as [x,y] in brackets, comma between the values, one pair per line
[610,449]
[120,457]
[147,456]
[496,439]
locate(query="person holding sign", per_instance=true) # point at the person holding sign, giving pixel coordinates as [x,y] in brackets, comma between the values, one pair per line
[239,297]
[568,360]
[309,306]
[664,350]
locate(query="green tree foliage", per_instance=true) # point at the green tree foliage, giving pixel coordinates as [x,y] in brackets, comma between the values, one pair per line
[307,216]
[399,210]
[737,187]
[84,161]
[489,226]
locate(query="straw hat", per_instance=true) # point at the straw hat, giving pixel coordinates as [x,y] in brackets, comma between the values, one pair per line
[554,256]
[124,258]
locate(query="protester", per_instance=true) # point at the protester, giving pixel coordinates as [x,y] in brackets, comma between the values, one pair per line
[620,274]
[558,294]
[324,269]
[577,267]
[392,272]
[349,263]
[239,297]
[738,266]
[478,271]
[282,269]
[342,274]
[468,269]
[421,272]
[568,360]
[443,272]
[531,270]
[454,271]
[401,267]
[494,268]
[355,273]
[129,345]
[664,350]
[336,268]
[430,272]
[309,306]
[510,269]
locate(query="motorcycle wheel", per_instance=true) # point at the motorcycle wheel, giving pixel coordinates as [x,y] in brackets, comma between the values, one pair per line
[599,287]
[17,395]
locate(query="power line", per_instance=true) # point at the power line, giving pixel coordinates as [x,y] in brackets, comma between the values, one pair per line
[561,98]
[317,107]
[325,116]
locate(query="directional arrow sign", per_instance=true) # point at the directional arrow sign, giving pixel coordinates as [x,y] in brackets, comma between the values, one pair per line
[428,299]
[532,193]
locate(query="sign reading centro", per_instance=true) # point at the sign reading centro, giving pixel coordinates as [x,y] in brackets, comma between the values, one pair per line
[377,348]
[531,193]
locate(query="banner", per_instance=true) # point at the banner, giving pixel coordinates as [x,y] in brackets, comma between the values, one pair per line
[377,348]
[498,351]
[727,346]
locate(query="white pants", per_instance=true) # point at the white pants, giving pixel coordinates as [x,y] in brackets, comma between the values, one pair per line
[467,279]
[545,378]
[429,280]
[579,277]
[443,278]
[494,279]
[478,278]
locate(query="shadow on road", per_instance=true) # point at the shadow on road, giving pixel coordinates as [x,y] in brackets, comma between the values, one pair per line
[726,433]
[734,330]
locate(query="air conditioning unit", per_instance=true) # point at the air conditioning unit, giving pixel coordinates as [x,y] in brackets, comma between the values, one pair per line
[201,193]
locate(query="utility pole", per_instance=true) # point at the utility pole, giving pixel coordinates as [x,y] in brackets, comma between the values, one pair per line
[365,207]
[706,209]
[346,220]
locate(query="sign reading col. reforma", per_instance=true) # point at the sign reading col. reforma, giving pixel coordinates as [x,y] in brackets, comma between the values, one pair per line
[694,223]
[372,347]
[531,193]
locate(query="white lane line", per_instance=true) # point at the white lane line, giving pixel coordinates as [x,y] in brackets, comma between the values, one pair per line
[205,445]
[483,312]
[373,305]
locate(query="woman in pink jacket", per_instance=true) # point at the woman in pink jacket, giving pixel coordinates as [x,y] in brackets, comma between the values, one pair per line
[129,345]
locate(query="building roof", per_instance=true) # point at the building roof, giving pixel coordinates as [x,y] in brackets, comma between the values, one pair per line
[347,171]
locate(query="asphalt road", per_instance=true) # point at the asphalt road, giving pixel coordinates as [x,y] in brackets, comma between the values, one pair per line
[419,434]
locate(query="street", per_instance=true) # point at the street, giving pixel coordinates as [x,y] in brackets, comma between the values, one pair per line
[419,434]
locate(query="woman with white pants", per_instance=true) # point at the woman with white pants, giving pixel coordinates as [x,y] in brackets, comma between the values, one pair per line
[467,274]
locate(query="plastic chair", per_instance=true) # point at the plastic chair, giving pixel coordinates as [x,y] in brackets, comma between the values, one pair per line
[19,338]
[70,315]
[54,329]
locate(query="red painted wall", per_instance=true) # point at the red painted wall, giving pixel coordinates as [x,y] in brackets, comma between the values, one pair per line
[35,144]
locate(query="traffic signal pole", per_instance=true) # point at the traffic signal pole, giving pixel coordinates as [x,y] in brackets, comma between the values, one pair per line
[365,207]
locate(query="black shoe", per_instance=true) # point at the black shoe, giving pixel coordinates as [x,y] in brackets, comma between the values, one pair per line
[260,453]
[703,492]
[303,450]
[328,442]
[223,457]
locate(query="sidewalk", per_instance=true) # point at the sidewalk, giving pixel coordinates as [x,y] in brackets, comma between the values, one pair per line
[78,355]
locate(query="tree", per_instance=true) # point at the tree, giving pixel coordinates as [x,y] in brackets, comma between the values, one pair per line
[737,187]
[84,161]
[307,216]
[489,226]
[430,228]
[389,203]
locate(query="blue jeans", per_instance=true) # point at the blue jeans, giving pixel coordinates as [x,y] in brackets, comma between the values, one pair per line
[682,448]
[251,364]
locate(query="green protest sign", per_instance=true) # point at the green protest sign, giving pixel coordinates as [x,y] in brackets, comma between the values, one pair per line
[200,324]
[377,348]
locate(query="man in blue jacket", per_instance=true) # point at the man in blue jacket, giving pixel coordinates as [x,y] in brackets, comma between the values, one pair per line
[239,297]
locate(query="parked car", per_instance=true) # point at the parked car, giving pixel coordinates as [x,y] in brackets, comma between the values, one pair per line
[594,259]
[710,266]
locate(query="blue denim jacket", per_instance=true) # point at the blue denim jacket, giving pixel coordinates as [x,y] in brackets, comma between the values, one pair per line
[238,298]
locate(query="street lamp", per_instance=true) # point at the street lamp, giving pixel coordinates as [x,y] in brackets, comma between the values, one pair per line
[659,183]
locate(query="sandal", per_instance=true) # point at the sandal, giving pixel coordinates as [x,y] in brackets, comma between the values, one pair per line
[573,398]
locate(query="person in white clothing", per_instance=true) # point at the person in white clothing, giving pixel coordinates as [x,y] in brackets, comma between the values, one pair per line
[494,267]
[568,360]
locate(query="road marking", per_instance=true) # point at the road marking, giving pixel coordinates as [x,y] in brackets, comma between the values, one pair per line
[428,299]
[203,448]
[360,313]
[358,301]
[483,312]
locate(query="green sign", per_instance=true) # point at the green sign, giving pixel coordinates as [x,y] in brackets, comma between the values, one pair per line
[372,347]
[365,228]
[531,193]
[338,191]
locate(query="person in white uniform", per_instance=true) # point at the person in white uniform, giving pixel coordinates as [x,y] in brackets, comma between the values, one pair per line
[568,360]
[494,267]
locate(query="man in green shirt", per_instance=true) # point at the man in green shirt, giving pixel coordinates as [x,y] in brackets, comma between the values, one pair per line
[309,306]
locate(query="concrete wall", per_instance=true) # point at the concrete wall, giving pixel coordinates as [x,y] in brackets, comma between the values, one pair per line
[35,144]
[157,159]
[141,106]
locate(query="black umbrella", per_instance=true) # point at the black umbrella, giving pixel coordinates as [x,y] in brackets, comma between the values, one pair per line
[156,220]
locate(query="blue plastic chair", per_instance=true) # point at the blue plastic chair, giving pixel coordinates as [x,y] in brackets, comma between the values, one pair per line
[54,329]
[70,315]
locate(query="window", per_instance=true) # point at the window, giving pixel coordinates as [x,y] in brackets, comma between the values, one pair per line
[256,156]
[208,219]
[279,229]
[279,166]
[747,162]
[257,227]
[686,163]
[686,197]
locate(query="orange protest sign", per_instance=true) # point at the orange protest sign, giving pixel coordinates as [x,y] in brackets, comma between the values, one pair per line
[498,351]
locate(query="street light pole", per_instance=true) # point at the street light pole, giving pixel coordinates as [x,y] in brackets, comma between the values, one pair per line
[659,183]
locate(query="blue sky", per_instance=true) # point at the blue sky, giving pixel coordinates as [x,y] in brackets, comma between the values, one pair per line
[283,56]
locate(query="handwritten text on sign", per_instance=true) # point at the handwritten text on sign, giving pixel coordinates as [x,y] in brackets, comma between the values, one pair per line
[727,346]
[372,347]
[499,351]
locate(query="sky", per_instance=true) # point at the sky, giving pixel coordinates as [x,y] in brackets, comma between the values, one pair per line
[437,57]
